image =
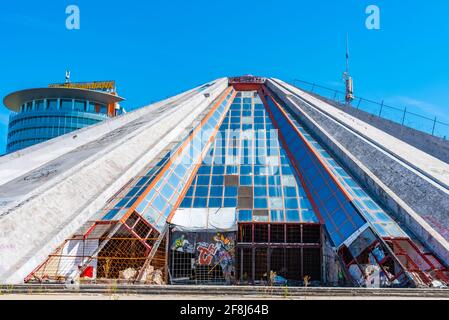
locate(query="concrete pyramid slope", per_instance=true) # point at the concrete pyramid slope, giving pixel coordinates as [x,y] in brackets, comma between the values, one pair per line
[268,182]
[411,183]
[49,190]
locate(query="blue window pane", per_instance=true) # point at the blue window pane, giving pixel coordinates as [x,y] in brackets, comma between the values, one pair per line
[277,215]
[186,203]
[189,192]
[308,216]
[216,191]
[245,215]
[290,192]
[260,191]
[291,203]
[217,180]
[371,205]
[246,180]
[276,203]
[232,170]
[246,170]
[292,216]
[159,203]
[274,180]
[305,204]
[260,180]
[230,202]
[346,230]
[230,191]
[205,170]
[260,203]
[110,215]
[201,191]
[203,180]
[275,191]
[215,203]
[218,170]
[200,202]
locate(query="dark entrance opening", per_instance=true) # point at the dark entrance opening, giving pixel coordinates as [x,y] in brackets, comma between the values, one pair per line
[289,251]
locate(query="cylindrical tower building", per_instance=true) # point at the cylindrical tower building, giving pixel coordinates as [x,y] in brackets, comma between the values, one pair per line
[45,113]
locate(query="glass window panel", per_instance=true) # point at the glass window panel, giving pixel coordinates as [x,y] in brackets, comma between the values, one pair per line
[201,191]
[291,203]
[218,170]
[159,203]
[186,202]
[292,216]
[39,105]
[260,203]
[245,215]
[230,202]
[371,205]
[308,216]
[216,191]
[215,202]
[246,180]
[66,104]
[103,109]
[80,105]
[205,170]
[276,203]
[277,216]
[305,204]
[275,191]
[260,180]
[190,192]
[200,202]
[217,180]
[362,242]
[52,104]
[290,192]
[231,191]
[260,191]
[203,180]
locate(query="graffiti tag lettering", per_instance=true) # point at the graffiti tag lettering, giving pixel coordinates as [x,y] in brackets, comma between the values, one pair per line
[206,254]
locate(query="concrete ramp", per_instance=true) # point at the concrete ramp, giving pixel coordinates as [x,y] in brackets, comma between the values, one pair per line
[48,191]
[411,184]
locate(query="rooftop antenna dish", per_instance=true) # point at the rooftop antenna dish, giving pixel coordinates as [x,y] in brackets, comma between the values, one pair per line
[347,77]
[67,76]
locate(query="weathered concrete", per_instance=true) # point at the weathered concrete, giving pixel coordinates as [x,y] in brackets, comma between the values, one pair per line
[435,146]
[408,182]
[215,292]
[49,190]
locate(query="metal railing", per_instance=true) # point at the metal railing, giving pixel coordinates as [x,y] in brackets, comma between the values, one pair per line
[400,116]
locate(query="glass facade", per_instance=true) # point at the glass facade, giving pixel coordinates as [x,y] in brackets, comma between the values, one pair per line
[43,119]
[156,193]
[247,168]
[364,204]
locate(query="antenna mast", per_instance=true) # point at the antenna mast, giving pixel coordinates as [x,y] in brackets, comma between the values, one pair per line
[347,77]
[67,76]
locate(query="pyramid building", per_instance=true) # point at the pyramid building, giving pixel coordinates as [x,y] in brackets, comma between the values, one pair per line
[243,180]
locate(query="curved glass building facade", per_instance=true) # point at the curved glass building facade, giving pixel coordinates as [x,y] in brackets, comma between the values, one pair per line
[42,114]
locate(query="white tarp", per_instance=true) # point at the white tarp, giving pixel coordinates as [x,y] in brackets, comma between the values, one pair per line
[74,254]
[200,219]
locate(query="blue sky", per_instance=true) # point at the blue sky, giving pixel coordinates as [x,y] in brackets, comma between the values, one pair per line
[157,48]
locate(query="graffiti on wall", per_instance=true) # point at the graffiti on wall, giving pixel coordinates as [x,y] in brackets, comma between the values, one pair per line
[209,249]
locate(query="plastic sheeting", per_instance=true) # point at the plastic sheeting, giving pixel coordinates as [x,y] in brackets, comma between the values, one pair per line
[202,219]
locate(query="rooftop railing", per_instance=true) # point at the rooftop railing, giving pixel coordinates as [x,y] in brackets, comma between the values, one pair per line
[401,116]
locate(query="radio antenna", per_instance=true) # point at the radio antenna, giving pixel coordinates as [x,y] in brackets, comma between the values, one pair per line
[347,77]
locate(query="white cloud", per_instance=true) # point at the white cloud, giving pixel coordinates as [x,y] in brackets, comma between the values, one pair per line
[428,108]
